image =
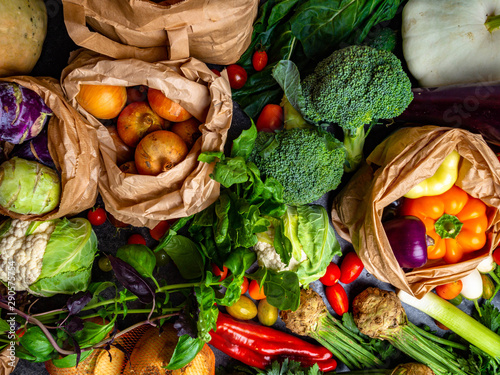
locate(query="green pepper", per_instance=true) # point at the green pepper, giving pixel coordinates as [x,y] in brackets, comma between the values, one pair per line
[443,179]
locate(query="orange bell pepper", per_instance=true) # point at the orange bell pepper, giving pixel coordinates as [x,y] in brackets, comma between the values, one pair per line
[455,221]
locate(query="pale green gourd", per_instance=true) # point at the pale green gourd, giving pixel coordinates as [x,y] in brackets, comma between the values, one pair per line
[450,42]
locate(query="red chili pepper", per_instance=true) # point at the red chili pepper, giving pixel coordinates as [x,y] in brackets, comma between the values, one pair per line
[267,340]
[241,353]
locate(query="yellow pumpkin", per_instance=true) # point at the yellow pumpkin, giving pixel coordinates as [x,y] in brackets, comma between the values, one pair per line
[23,31]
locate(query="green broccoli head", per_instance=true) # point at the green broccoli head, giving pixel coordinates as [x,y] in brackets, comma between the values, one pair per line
[355,86]
[307,162]
[382,38]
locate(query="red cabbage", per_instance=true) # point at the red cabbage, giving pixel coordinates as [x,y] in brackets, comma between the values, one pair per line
[23,113]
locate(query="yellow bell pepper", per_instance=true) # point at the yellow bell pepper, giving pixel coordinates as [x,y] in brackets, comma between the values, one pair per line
[444,178]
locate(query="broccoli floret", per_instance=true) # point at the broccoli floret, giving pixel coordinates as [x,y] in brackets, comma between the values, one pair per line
[307,162]
[354,86]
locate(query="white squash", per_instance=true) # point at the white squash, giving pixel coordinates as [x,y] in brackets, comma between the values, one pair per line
[23,27]
[447,42]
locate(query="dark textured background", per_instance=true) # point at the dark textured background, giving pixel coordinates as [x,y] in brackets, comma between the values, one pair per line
[56,50]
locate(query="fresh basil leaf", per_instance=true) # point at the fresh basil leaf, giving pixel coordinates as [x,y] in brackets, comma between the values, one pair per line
[70,360]
[186,349]
[37,344]
[138,256]
[174,228]
[4,326]
[207,316]
[186,256]
[97,288]
[92,333]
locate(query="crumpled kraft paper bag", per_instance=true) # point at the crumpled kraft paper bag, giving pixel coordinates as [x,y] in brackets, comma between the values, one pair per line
[187,188]
[400,162]
[73,146]
[6,365]
[213,31]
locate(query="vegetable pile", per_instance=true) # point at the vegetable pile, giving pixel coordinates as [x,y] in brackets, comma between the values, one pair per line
[259,277]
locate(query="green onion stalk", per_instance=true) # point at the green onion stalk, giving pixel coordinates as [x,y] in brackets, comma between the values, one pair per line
[313,319]
[379,314]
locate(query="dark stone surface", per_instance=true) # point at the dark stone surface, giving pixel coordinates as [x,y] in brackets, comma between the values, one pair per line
[55,54]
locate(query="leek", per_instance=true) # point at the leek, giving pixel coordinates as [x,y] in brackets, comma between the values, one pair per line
[455,319]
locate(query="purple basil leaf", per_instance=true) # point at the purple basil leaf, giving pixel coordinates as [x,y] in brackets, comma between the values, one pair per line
[132,280]
[78,350]
[77,302]
[74,325]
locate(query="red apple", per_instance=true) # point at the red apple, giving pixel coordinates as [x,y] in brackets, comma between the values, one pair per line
[136,120]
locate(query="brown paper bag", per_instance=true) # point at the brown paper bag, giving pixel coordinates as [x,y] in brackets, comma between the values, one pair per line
[400,162]
[73,147]
[216,31]
[185,189]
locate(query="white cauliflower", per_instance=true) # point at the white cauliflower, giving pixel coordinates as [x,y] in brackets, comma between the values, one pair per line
[21,255]
[269,258]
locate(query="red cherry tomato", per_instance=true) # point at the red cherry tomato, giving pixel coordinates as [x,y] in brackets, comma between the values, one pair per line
[244,286]
[259,60]
[97,216]
[217,271]
[350,268]
[255,291]
[331,276]
[449,290]
[237,76]
[496,255]
[159,231]
[337,297]
[215,71]
[270,119]
[136,239]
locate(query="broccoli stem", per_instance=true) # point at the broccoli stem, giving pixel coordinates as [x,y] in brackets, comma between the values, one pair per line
[354,144]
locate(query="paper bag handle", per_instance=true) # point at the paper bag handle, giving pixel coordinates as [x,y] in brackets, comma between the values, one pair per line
[74,19]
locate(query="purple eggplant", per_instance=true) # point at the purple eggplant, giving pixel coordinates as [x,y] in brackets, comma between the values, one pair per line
[474,108]
[408,240]
[36,149]
[23,113]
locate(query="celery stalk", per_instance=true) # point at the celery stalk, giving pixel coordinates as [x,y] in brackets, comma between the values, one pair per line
[456,320]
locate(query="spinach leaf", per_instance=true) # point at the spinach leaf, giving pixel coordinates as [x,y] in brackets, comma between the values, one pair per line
[282,289]
[186,256]
[138,256]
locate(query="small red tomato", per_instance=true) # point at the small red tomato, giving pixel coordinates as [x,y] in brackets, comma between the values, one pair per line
[259,60]
[350,268]
[136,239]
[159,231]
[237,76]
[244,286]
[270,119]
[337,297]
[215,71]
[449,290]
[217,271]
[331,276]
[97,216]
[255,291]
[496,255]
